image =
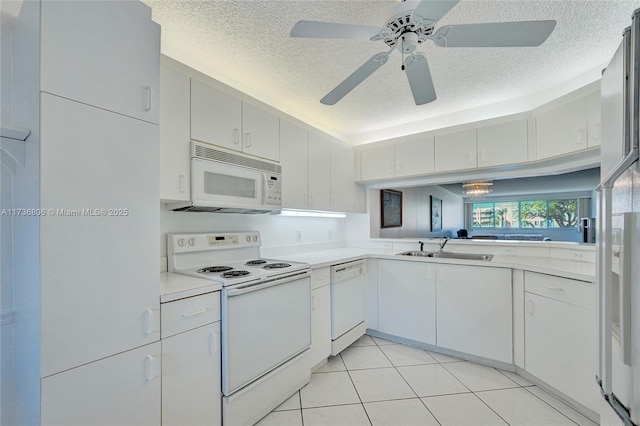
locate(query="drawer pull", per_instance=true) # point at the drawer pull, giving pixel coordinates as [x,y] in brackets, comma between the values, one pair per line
[149,364]
[554,288]
[148,328]
[194,313]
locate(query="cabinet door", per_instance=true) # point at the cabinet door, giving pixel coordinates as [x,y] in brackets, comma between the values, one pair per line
[175,155]
[320,325]
[562,130]
[216,117]
[560,347]
[191,380]
[319,172]
[260,133]
[99,245]
[343,186]
[478,299]
[414,157]
[504,143]
[102,53]
[293,158]
[377,163]
[593,104]
[407,300]
[123,389]
[456,151]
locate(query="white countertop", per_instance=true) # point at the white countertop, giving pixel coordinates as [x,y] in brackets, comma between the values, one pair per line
[584,271]
[177,286]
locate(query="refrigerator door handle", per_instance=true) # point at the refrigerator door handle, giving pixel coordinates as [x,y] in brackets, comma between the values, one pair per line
[604,271]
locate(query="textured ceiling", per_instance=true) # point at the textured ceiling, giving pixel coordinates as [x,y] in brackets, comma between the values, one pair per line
[246,44]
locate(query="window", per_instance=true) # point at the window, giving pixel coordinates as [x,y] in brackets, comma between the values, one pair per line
[530,214]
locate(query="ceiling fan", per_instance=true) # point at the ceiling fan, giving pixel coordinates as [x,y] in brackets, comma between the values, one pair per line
[412,23]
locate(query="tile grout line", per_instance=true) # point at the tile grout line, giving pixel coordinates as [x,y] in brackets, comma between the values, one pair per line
[410,387]
[570,419]
[356,389]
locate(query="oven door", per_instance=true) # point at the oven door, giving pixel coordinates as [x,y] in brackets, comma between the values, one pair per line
[216,184]
[263,325]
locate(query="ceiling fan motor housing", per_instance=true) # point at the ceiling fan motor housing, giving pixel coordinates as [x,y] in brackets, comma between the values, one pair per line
[405,22]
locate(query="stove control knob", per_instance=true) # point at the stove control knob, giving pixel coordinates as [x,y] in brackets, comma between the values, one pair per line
[248,238]
[192,242]
[181,242]
[255,238]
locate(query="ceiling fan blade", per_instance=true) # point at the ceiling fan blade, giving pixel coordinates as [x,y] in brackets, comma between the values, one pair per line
[315,29]
[357,77]
[419,76]
[434,10]
[498,34]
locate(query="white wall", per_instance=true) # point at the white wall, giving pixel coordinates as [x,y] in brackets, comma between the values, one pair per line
[278,233]
[20,108]
[416,212]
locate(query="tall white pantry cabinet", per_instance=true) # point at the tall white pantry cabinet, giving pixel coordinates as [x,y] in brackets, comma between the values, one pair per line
[99,357]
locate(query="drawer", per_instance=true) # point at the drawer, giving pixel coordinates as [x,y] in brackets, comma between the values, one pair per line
[186,314]
[320,277]
[580,293]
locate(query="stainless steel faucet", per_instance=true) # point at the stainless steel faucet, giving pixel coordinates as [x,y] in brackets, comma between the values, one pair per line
[421,245]
[442,243]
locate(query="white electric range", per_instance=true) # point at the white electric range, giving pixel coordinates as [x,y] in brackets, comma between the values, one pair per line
[266,318]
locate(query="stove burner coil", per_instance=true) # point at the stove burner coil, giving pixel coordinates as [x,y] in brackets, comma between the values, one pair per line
[215,269]
[276,266]
[256,262]
[235,274]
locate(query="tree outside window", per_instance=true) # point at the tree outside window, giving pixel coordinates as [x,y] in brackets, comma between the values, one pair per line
[531,214]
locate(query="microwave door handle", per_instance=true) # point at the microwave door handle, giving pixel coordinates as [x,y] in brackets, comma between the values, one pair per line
[265,188]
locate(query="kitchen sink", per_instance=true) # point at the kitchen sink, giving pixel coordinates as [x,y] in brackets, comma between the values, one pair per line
[447,255]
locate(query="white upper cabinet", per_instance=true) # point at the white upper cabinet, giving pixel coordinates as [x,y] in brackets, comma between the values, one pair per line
[414,157]
[222,119]
[319,172]
[175,153]
[85,44]
[501,144]
[456,151]
[293,158]
[260,132]
[343,186]
[567,128]
[216,117]
[594,105]
[377,163]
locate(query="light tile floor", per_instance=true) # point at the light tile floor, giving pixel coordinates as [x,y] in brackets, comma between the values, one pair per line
[378,382]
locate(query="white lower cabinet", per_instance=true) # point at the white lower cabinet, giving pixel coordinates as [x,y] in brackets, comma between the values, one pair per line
[320,325]
[560,335]
[122,389]
[474,306]
[191,373]
[407,300]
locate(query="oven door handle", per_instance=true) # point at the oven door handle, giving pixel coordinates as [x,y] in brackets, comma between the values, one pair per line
[251,287]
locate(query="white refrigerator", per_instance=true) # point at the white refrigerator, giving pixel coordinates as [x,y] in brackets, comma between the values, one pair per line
[618,235]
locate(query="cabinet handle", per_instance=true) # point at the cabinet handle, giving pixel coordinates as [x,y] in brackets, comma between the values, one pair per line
[550,287]
[194,313]
[182,183]
[530,307]
[594,131]
[148,361]
[247,140]
[148,315]
[581,137]
[147,98]
[213,343]
[236,136]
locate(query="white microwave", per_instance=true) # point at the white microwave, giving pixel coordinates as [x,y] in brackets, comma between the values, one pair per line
[224,181]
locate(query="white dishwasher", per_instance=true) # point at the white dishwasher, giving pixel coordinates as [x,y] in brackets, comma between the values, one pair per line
[348,283]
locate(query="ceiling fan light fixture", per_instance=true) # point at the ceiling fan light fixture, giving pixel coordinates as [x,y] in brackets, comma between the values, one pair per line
[477,188]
